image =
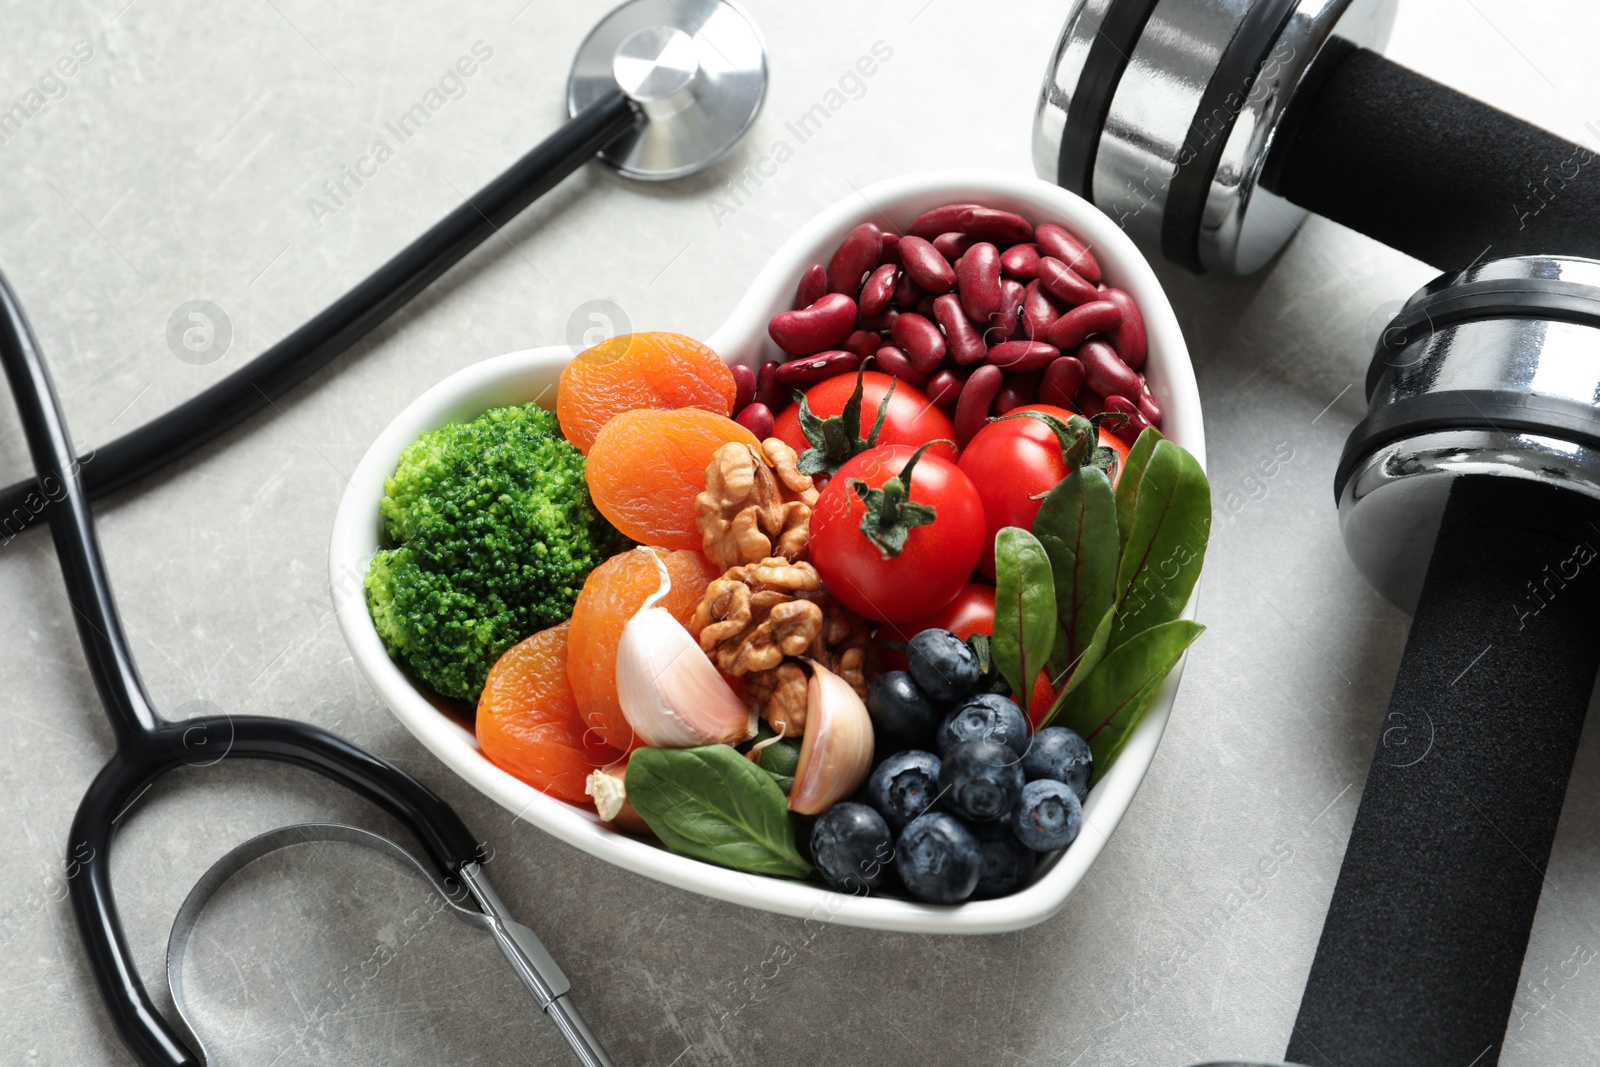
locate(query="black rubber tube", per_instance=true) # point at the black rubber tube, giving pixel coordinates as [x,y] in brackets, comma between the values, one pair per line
[149,746]
[1438,175]
[309,348]
[1423,944]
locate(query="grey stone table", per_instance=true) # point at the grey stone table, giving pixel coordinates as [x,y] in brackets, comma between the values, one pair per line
[196,151]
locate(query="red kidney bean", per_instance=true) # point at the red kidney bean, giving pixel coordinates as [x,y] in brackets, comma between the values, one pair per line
[953,246]
[992,224]
[925,266]
[1088,404]
[978,276]
[744,386]
[1129,338]
[1021,262]
[1054,241]
[1077,325]
[964,342]
[1011,310]
[813,283]
[1129,431]
[857,254]
[1022,355]
[1106,374]
[1061,382]
[931,224]
[944,388]
[883,321]
[1019,389]
[816,327]
[769,390]
[921,341]
[1063,283]
[1149,408]
[757,418]
[862,342]
[906,291]
[1039,313]
[891,249]
[878,290]
[817,367]
[977,397]
[894,361]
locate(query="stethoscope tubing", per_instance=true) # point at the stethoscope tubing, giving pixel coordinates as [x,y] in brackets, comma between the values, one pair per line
[296,357]
[149,746]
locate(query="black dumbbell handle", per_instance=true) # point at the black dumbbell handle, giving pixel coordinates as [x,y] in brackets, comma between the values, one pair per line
[1422,947]
[1428,170]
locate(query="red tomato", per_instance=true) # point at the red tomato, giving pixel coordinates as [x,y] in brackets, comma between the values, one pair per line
[913,419]
[971,612]
[934,562]
[1013,462]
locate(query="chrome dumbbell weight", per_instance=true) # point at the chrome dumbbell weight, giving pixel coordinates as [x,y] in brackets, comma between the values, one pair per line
[1210,128]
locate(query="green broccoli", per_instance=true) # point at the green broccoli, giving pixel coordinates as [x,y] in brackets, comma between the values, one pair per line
[493,535]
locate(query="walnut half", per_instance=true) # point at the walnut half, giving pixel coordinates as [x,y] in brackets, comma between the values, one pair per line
[756,504]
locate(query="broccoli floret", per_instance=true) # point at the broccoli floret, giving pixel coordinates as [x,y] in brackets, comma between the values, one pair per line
[493,534]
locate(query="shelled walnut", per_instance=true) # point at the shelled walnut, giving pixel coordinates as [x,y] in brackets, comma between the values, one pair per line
[756,504]
[761,620]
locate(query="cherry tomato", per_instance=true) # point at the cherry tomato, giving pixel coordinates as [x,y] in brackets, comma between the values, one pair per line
[1013,462]
[971,612]
[936,559]
[913,419]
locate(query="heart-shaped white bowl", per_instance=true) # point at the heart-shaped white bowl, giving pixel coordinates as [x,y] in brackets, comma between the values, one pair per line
[519,377]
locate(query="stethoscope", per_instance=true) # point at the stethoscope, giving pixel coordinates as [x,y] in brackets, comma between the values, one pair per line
[659,89]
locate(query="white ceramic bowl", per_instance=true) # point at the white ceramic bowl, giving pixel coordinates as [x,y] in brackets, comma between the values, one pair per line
[518,377]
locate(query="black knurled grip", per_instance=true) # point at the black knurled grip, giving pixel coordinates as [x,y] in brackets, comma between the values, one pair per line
[1422,948]
[1430,171]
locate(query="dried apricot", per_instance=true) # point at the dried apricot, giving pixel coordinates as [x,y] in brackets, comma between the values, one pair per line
[610,597]
[646,467]
[631,371]
[528,721]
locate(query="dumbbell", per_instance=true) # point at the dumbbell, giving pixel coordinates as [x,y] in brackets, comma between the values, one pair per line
[1209,128]
[1470,496]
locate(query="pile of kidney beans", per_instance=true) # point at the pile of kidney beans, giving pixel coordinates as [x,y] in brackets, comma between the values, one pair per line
[978,307]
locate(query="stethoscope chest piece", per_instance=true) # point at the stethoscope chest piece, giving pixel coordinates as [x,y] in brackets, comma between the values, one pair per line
[697,69]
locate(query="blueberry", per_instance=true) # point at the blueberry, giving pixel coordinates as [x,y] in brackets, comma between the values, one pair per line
[942,665]
[980,779]
[904,786]
[987,715]
[1005,868]
[1061,755]
[939,860]
[851,846]
[1048,817]
[900,711]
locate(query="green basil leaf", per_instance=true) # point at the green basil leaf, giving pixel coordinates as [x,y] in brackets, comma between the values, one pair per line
[1077,525]
[1132,474]
[1024,609]
[713,804]
[1114,696]
[780,759]
[1166,542]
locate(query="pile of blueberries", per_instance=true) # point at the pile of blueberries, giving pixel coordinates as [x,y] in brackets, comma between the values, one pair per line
[963,799]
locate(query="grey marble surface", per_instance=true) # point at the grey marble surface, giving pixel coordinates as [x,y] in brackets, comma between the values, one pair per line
[177,163]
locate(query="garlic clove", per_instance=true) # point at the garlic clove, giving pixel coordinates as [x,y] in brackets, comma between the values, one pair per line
[671,693]
[609,789]
[836,749]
